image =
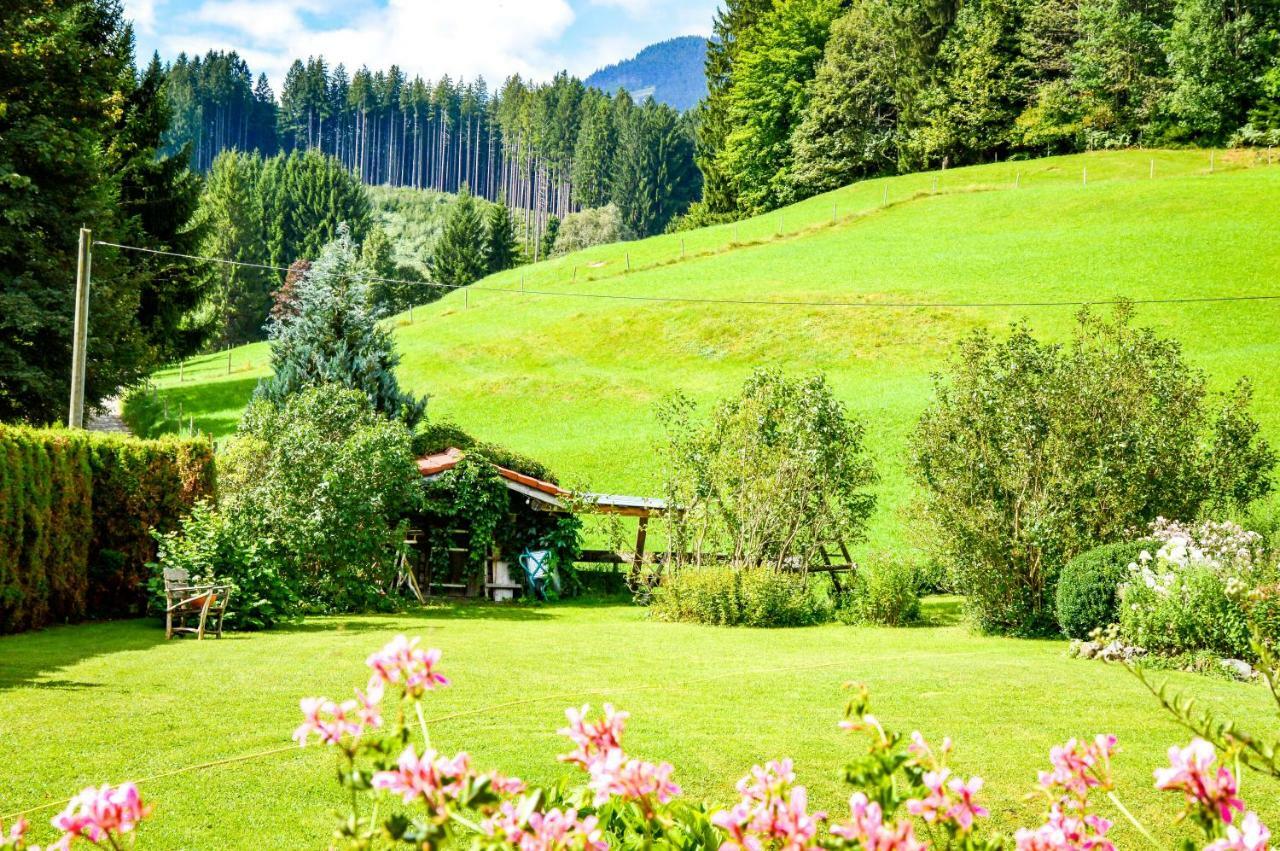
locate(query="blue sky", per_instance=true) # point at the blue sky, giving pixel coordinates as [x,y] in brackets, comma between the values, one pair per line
[495,38]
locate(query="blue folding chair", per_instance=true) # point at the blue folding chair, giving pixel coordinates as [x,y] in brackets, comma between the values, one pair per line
[538,573]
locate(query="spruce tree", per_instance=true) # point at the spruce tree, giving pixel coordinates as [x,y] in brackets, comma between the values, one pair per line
[79,134]
[459,256]
[593,155]
[159,198]
[501,247]
[334,337]
[232,215]
[654,178]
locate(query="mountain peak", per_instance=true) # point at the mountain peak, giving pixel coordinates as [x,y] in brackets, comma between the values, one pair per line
[671,72]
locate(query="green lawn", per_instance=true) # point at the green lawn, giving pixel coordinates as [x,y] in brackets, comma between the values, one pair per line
[114,701]
[573,381]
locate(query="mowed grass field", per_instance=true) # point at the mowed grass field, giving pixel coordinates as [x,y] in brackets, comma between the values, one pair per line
[524,358]
[115,702]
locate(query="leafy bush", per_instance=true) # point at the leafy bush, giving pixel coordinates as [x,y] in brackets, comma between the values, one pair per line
[76,511]
[213,547]
[439,436]
[323,481]
[885,591]
[596,226]
[770,478]
[1199,592]
[1031,453]
[1087,596]
[1192,612]
[725,596]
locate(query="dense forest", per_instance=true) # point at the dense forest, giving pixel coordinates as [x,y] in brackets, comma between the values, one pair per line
[80,139]
[807,95]
[538,147]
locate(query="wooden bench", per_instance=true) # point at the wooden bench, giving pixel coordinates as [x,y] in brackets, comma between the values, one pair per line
[184,601]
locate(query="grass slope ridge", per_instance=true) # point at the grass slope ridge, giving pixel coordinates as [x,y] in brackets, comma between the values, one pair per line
[572,381]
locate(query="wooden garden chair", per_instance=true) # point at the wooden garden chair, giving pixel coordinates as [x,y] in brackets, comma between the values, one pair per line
[184,601]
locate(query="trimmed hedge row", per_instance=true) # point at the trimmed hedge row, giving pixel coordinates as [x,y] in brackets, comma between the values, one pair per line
[76,510]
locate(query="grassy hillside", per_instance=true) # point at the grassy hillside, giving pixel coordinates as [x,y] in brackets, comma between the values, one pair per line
[573,380]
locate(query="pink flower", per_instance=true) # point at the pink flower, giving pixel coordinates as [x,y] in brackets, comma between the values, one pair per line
[593,738]
[1066,832]
[403,662]
[432,778]
[15,837]
[1191,771]
[614,775]
[529,830]
[772,811]
[866,825]
[950,801]
[368,708]
[1079,767]
[923,755]
[1250,835]
[95,814]
[504,785]
[332,721]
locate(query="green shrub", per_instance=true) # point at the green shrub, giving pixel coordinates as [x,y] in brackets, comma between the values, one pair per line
[217,547]
[1193,613]
[773,475]
[439,436]
[932,578]
[1032,452]
[725,596]
[884,591]
[76,510]
[1087,597]
[324,481]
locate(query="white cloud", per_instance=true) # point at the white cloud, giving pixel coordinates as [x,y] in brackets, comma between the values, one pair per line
[494,38]
[143,14]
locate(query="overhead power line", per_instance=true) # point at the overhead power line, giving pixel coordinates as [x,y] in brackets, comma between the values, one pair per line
[755,302]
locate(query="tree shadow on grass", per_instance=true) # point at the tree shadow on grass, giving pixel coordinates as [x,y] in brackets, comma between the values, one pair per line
[27,660]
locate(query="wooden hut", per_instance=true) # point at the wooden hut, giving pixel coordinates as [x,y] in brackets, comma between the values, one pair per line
[503,578]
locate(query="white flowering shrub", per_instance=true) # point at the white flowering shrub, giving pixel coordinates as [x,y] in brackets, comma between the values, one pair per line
[1197,591]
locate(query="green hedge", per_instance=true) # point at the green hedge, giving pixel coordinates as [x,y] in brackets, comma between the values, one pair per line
[76,510]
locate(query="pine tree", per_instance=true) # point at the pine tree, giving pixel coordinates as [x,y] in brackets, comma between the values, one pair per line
[335,338]
[459,256]
[232,215]
[731,24]
[593,155]
[501,247]
[159,197]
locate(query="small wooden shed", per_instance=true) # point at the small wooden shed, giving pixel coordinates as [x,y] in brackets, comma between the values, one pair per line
[502,578]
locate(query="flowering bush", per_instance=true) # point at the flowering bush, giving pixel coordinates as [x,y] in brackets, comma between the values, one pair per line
[105,817]
[907,796]
[1196,591]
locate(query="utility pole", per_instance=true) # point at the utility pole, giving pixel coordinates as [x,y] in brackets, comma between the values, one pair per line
[80,331]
